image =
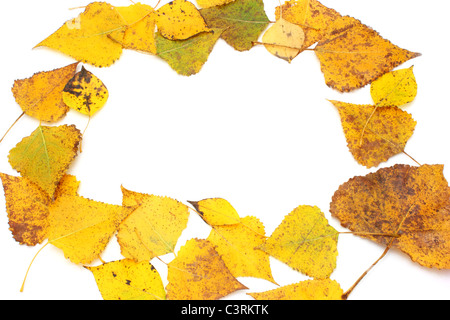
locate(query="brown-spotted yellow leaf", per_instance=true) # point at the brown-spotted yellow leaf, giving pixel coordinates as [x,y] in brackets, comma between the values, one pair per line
[216,211]
[27,208]
[198,273]
[85,93]
[356,55]
[242,22]
[154,226]
[40,96]
[140,27]
[68,185]
[82,227]
[128,280]
[45,155]
[316,289]
[212,3]
[86,38]
[305,241]
[374,134]
[412,203]
[395,88]
[284,39]
[180,20]
[237,244]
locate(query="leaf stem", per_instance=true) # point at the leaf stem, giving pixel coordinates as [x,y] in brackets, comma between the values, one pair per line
[11,126]
[29,266]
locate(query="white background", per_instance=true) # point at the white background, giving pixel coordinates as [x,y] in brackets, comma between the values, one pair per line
[250,128]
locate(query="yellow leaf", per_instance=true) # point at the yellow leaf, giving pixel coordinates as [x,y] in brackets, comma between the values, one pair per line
[305,241]
[216,211]
[45,155]
[198,273]
[85,93]
[374,134]
[180,20]
[140,30]
[86,38]
[212,3]
[82,227]
[236,245]
[40,96]
[128,280]
[154,226]
[68,185]
[316,289]
[284,39]
[395,88]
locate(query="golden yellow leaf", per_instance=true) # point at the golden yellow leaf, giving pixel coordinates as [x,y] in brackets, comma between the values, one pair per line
[412,203]
[82,227]
[383,136]
[85,38]
[180,20]
[305,241]
[316,289]
[128,280]
[212,3]
[85,93]
[216,211]
[45,155]
[68,185]
[237,244]
[198,273]
[27,207]
[395,88]
[40,96]
[154,226]
[140,30]
[284,39]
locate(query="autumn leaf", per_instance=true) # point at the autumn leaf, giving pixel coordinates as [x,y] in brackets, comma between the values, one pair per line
[140,22]
[68,185]
[216,211]
[45,155]
[85,93]
[284,39]
[375,141]
[154,226]
[198,273]
[237,243]
[305,241]
[86,38]
[40,96]
[180,20]
[412,203]
[83,227]
[187,57]
[212,3]
[395,88]
[316,289]
[242,21]
[356,55]
[128,280]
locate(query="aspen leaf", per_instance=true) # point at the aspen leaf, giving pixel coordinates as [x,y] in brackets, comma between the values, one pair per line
[128,280]
[316,289]
[140,28]
[180,20]
[237,243]
[68,185]
[216,211]
[198,273]
[85,93]
[410,202]
[40,96]
[45,155]
[356,55]
[86,38]
[284,39]
[242,21]
[187,57]
[212,3]
[374,134]
[154,226]
[82,227]
[395,88]
[305,241]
